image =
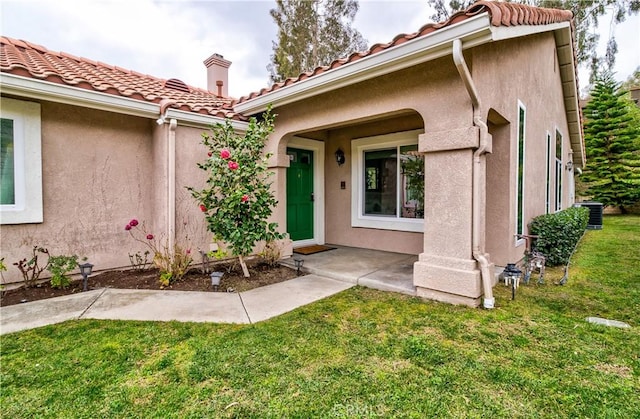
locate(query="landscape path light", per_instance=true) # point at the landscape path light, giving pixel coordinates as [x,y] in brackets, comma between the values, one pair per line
[85,271]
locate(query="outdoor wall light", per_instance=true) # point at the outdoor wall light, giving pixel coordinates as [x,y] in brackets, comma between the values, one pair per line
[85,271]
[340,159]
[160,120]
[299,262]
[569,165]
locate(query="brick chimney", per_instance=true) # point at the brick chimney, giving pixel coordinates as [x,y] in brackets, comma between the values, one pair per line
[218,75]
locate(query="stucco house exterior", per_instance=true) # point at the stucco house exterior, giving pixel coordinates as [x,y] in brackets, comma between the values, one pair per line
[442,143]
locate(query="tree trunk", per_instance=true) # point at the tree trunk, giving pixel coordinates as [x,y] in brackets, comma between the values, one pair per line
[245,271]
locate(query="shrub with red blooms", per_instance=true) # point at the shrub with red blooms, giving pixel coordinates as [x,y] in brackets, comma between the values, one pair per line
[172,263]
[238,200]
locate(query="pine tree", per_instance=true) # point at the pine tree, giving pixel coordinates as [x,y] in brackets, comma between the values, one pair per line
[612,140]
[312,33]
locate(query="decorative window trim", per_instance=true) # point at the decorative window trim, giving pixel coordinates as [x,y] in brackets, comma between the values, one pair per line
[358,147]
[559,162]
[28,206]
[521,137]
[547,204]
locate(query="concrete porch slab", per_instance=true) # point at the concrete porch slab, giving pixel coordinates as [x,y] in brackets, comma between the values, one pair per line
[386,271]
[186,306]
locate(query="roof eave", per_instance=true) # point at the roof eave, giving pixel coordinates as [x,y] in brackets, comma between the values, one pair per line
[473,31]
[25,87]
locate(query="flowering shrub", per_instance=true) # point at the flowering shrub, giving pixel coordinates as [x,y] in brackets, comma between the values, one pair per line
[172,263]
[237,200]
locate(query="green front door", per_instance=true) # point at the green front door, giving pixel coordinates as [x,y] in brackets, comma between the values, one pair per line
[300,194]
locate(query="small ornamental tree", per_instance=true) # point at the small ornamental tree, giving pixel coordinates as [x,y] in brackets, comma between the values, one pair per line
[238,200]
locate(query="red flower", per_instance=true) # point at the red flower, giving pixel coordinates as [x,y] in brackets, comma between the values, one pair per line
[225,154]
[127,227]
[209,154]
[245,198]
[133,222]
[233,165]
[203,208]
[149,236]
[188,251]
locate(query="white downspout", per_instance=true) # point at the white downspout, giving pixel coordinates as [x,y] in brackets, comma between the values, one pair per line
[479,168]
[170,221]
[171,184]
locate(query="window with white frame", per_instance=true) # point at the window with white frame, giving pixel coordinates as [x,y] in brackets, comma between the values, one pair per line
[558,160]
[20,162]
[520,169]
[547,205]
[388,182]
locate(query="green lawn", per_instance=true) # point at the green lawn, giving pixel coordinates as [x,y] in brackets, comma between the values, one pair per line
[361,353]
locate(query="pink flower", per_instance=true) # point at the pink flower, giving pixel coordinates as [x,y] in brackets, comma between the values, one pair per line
[133,222]
[127,227]
[149,236]
[225,154]
[203,208]
[188,251]
[245,198]
[233,165]
[209,154]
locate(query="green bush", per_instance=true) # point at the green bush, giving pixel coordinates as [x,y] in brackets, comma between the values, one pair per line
[60,266]
[558,233]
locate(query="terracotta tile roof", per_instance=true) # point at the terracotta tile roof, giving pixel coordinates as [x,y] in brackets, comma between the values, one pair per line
[501,14]
[23,58]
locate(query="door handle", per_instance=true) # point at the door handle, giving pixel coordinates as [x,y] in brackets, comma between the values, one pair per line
[312,197]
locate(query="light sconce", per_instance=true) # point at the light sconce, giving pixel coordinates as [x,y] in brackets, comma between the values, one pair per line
[85,271]
[340,159]
[569,166]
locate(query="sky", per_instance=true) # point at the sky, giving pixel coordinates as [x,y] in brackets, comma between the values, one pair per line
[171,38]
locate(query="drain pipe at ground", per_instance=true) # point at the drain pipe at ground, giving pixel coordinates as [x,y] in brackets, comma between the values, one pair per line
[479,168]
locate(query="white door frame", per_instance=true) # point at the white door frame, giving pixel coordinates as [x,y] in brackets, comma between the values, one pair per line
[317,147]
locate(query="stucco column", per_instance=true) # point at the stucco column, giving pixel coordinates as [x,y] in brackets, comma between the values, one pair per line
[446,270]
[278,164]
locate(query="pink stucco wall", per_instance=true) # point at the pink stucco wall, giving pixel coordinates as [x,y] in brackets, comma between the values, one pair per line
[101,169]
[505,72]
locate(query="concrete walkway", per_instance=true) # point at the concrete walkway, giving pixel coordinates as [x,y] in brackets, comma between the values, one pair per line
[186,306]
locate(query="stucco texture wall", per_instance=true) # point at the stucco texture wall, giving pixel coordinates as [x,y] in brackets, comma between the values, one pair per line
[100,170]
[506,72]
[96,176]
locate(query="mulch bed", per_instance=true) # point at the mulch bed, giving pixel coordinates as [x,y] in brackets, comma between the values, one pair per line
[195,280]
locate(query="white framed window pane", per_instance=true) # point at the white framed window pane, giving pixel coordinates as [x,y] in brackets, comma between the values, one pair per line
[7,164]
[412,182]
[381,174]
